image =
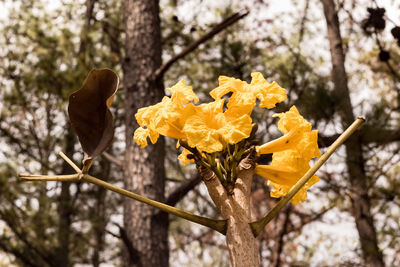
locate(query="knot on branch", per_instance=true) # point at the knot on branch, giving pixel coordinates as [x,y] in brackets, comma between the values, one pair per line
[205,173]
[249,162]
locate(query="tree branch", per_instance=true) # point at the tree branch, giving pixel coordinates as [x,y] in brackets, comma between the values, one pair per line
[379,136]
[24,149]
[182,190]
[368,135]
[279,242]
[218,28]
[112,159]
[132,251]
[18,230]
[5,246]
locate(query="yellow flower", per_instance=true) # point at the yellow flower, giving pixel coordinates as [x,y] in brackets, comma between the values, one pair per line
[286,169]
[182,94]
[244,95]
[209,129]
[140,137]
[298,136]
[183,157]
[291,154]
[167,117]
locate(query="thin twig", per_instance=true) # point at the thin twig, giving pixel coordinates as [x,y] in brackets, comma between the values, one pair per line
[112,159]
[181,191]
[46,178]
[70,162]
[218,28]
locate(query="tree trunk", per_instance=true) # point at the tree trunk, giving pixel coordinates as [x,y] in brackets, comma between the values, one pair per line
[361,206]
[61,254]
[235,207]
[99,221]
[146,228]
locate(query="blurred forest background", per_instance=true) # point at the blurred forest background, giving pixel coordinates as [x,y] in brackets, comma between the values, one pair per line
[333,70]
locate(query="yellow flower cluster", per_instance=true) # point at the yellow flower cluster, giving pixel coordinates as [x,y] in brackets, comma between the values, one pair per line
[209,128]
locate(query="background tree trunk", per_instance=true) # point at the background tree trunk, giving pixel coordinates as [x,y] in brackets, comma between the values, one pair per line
[65,209]
[361,206]
[146,228]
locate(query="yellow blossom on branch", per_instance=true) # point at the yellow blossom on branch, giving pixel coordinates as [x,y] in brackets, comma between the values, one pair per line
[211,133]
[167,117]
[286,168]
[207,127]
[244,95]
[291,154]
[298,135]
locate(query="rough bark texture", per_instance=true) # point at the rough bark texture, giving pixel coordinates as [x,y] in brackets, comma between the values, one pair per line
[242,245]
[361,206]
[99,216]
[146,228]
[62,252]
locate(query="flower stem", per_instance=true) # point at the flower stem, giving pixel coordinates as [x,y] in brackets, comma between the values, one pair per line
[259,225]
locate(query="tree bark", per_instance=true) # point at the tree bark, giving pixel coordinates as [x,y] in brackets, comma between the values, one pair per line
[99,220]
[235,207]
[62,252]
[144,173]
[361,206]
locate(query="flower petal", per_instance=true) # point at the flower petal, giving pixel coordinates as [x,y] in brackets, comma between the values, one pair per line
[286,169]
[140,136]
[183,157]
[182,94]
[269,93]
[244,95]
[236,130]
[298,136]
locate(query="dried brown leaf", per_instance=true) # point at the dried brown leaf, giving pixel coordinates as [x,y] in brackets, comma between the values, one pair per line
[89,112]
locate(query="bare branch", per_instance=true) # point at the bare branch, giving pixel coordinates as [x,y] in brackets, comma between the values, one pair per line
[218,28]
[326,141]
[217,225]
[380,136]
[89,11]
[112,159]
[182,190]
[368,135]
[25,259]
[88,18]
[22,235]
[112,33]
[132,252]
[24,148]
